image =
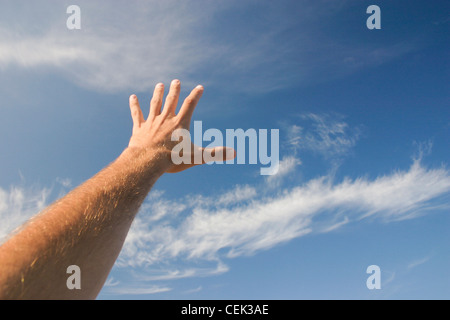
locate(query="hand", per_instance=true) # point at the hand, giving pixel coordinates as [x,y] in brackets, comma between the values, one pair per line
[155,133]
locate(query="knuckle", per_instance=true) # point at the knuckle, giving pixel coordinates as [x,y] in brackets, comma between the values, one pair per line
[189,101]
[135,113]
[172,95]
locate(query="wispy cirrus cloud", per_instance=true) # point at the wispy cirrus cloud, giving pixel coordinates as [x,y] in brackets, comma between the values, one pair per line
[211,231]
[286,166]
[135,290]
[201,233]
[18,204]
[248,219]
[118,47]
[418,262]
[327,135]
[134,45]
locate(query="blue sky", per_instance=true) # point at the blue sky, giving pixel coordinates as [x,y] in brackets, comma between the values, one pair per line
[364,150]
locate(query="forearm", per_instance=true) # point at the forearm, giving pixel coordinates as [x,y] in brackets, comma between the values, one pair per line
[86,228]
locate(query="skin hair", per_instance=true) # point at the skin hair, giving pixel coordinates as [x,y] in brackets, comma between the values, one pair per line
[88,226]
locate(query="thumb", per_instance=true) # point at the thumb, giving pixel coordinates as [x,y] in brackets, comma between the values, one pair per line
[206,155]
[218,154]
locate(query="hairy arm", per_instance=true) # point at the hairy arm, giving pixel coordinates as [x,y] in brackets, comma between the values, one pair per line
[88,226]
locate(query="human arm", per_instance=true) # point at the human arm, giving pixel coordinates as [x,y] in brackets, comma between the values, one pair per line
[88,226]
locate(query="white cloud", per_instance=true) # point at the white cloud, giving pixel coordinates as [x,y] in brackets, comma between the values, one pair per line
[111,282]
[48,50]
[294,136]
[136,290]
[171,274]
[193,236]
[286,166]
[17,205]
[194,290]
[418,262]
[327,135]
[64,182]
[120,46]
[387,281]
[211,231]
[133,45]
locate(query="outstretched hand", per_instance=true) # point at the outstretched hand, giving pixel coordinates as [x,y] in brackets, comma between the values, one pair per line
[155,133]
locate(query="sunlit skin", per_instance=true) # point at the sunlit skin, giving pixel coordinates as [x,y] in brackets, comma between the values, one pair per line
[88,226]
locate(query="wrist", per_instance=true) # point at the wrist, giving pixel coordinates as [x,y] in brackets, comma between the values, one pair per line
[157,161]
